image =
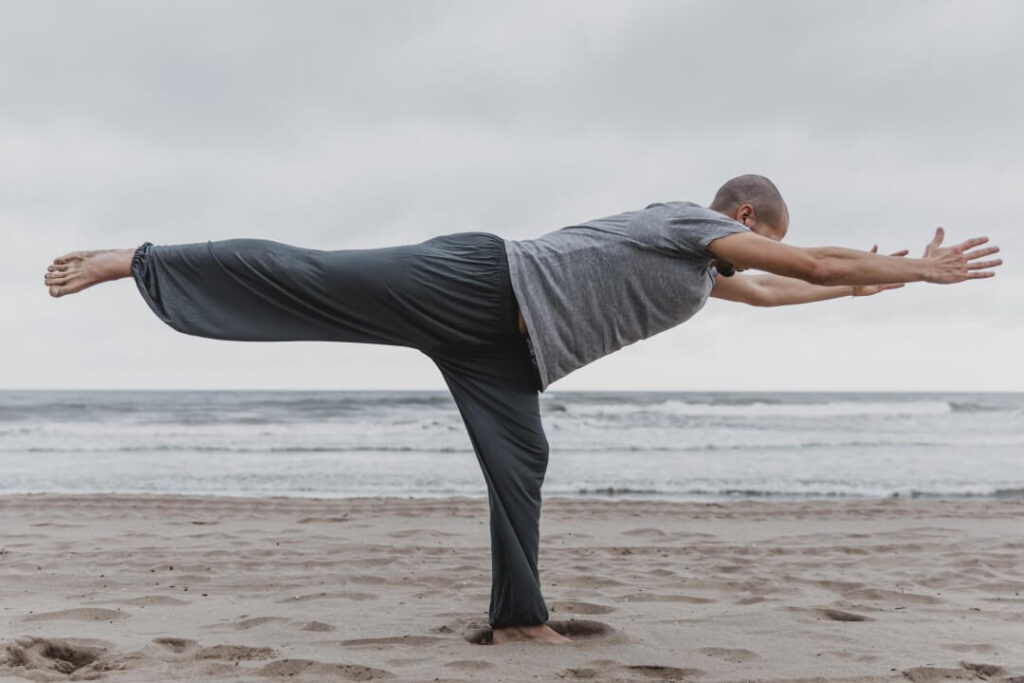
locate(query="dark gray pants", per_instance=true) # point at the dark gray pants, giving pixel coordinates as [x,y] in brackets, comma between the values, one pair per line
[449,297]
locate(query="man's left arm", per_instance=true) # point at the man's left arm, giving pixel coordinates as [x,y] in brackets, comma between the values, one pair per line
[767,289]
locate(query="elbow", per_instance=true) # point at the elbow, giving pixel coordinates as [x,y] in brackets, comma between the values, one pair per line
[825,272]
[762,294]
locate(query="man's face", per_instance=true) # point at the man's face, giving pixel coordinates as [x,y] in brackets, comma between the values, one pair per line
[776,233]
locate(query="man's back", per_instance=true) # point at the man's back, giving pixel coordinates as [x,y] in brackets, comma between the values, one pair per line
[587,290]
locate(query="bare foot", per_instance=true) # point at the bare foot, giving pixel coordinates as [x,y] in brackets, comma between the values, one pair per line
[80,269]
[542,634]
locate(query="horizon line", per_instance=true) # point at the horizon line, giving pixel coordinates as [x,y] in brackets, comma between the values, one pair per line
[717,390]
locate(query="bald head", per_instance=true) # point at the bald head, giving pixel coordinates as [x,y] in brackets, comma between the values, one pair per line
[758,192]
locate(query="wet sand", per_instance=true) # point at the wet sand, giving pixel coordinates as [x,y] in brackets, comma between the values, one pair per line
[162,588]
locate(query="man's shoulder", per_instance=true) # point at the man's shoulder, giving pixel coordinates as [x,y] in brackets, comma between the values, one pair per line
[675,204]
[688,212]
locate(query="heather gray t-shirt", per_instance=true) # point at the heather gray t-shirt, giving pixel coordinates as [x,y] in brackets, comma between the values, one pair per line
[590,289]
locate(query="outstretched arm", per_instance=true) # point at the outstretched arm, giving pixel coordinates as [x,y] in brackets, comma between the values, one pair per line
[830,266]
[777,290]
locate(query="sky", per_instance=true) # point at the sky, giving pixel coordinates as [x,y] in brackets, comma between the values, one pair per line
[340,125]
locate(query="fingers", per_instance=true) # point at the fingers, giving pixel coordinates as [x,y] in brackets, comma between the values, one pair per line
[974,265]
[901,252]
[974,275]
[970,244]
[978,253]
[940,235]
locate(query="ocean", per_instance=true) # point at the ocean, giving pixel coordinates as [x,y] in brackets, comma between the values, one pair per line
[704,446]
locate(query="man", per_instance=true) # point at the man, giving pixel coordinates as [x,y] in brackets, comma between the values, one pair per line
[503,319]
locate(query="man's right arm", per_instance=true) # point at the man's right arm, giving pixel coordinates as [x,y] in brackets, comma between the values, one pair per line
[840,266]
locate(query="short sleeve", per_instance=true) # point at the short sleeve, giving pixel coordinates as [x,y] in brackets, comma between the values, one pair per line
[691,228]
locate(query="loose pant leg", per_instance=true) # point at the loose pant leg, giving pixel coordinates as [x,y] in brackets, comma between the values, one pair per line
[438,293]
[496,393]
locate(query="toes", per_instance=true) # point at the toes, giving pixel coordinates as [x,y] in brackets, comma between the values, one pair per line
[55,292]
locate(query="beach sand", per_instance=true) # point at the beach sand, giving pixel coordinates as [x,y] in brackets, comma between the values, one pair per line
[161,588]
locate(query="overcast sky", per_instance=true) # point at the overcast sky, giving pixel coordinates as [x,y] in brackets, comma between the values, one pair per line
[338,125]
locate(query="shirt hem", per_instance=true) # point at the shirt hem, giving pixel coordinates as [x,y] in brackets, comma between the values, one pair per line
[524,308]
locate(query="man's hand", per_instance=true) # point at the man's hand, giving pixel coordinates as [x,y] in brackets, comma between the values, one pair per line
[868,290]
[959,262]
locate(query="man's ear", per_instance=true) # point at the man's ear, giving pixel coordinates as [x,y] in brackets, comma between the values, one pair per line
[745,212]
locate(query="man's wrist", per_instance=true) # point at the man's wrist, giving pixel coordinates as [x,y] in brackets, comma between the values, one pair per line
[924,270]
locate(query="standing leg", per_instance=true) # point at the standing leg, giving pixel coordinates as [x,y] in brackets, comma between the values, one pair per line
[495,391]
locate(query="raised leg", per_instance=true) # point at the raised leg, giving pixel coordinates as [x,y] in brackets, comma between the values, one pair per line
[437,294]
[260,290]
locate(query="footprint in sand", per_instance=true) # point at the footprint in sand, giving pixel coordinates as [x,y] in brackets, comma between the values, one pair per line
[877,594]
[983,670]
[736,656]
[967,672]
[79,614]
[649,532]
[235,652]
[394,640]
[322,671]
[155,600]
[848,656]
[664,673]
[317,626]
[576,629]
[580,673]
[840,615]
[600,669]
[577,607]
[175,645]
[64,656]
[980,648]
[253,622]
[752,600]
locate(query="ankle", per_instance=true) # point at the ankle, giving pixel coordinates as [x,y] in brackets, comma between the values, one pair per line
[121,263]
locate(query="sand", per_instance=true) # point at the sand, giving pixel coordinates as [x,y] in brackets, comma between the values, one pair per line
[162,588]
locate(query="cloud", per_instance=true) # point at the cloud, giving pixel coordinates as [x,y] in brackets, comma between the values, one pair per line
[338,125]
